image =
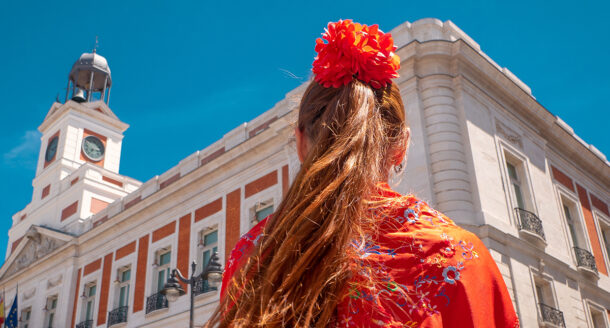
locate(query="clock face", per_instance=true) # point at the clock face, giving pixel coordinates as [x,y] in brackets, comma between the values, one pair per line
[93,148]
[51,149]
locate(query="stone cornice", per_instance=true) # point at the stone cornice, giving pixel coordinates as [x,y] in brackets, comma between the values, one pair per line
[190,184]
[105,115]
[63,240]
[458,58]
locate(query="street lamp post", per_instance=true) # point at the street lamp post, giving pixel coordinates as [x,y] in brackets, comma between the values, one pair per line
[212,272]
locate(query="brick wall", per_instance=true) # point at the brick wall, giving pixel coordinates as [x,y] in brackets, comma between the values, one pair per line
[140,285]
[232,220]
[106,274]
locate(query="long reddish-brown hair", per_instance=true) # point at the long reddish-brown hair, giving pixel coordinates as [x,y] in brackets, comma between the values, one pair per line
[297,273]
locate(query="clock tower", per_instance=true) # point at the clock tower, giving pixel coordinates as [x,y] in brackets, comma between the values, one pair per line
[78,165]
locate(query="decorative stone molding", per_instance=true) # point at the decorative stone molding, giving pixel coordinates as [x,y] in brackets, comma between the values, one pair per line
[37,247]
[541,265]
[509,135]
[29,293]
[53,282]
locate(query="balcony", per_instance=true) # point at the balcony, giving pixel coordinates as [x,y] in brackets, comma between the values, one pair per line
[551,316]
[118,315]
[530,225]
[202,286]
[155,302]
[585,260]
[85,324]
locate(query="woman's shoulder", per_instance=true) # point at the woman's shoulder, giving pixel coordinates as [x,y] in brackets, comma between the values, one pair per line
[417,230]
[409,215]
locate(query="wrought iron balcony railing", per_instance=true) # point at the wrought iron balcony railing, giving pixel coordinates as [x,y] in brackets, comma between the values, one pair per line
[155,302]
[85,324]
[202,286]
[530,222]
[551,315]
[118,315]
[585,259]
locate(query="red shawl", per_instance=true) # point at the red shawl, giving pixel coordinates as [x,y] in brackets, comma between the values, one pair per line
[428,272]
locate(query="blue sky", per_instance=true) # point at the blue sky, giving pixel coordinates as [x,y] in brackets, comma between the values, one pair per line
[186,72]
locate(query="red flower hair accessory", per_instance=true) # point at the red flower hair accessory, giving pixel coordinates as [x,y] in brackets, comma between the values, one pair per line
[350,50]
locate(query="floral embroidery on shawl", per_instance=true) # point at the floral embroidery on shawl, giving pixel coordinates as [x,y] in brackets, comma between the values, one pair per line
[418,270]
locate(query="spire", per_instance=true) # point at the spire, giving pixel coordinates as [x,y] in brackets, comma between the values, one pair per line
[97,44]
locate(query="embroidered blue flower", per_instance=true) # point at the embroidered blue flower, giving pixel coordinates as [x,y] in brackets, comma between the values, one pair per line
[456,274]
[411,215]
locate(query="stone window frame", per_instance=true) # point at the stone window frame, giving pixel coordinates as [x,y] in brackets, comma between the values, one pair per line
[22,322]
[128,260]
[214,221]
[49,311]
[541,278]
[119,284]
[590,308]
[201,248]
[156,267]
[272,194]
[564,193]
[85,298]
[259,207]
[510,154]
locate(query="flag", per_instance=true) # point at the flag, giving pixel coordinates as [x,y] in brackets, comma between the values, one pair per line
[12,321]
[2,308]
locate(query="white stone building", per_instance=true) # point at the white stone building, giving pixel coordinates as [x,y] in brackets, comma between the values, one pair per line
[93,247]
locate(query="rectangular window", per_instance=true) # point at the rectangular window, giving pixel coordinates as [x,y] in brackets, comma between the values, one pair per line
[597,317]
[570,214]
[541,293]
[210,245]
[515,181]
[123,286]
[261,211]
[50,311]
[89,308]
[548,311]
[25,318]
[163,269]
[606,237]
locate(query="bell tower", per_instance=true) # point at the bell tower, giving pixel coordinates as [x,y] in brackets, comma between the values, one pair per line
[90,74]
[78,165]
[83,129]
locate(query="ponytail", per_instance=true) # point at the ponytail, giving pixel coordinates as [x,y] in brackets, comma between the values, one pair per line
[298,272]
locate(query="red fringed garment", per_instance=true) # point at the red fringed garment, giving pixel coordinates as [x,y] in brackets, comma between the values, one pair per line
[428,272]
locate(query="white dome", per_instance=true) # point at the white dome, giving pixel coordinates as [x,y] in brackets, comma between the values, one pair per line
[87,63]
